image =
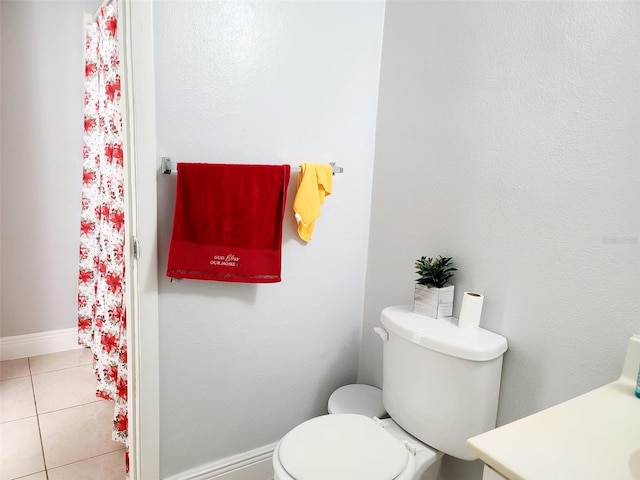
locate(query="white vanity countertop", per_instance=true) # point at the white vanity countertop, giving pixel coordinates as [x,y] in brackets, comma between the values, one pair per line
[595,436]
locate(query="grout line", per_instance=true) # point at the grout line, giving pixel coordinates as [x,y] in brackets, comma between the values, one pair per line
[98,399]
[122,450]
[68,367]
[35,403]
[64,367]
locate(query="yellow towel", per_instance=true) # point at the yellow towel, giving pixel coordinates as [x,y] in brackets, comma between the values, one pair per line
[314,183]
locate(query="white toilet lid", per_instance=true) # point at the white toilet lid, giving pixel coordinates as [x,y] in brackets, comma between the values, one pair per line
[342,447]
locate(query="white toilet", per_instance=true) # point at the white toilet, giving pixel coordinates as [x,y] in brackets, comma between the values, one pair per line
[440,387]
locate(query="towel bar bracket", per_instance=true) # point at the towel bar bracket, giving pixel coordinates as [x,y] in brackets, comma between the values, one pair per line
[335,168]
[169,166]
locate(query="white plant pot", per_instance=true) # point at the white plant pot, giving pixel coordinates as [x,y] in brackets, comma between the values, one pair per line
[433,302]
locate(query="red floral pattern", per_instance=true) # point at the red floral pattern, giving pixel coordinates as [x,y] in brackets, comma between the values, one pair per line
[101,281]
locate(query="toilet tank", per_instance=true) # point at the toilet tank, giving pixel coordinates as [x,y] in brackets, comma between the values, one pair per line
[441,383]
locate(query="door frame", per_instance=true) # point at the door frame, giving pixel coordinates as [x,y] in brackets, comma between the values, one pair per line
[138,91]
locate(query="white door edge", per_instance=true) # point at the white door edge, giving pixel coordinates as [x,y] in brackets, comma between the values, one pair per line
[136,21]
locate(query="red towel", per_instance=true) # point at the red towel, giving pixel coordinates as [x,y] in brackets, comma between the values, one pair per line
[227,223]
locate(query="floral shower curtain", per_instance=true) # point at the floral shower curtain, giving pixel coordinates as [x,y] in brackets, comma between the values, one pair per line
[101,281]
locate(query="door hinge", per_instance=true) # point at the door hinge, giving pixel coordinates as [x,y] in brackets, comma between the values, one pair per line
[136,249]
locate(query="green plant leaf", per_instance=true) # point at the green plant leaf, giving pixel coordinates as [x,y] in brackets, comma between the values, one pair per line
[434,272]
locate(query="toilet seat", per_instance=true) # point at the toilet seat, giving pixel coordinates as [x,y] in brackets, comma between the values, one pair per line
[342,447]
[357,398]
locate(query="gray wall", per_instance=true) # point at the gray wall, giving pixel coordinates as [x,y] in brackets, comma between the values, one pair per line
[42,56]
[264,82]
[508,138]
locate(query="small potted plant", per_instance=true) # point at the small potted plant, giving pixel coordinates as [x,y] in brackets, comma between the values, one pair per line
[432,296]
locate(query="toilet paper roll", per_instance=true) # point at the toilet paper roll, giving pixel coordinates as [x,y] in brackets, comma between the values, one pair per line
[471,310]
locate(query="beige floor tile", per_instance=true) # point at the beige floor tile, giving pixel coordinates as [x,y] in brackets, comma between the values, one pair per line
[104,467]
[20,449]
[14,368]
[16,399]
[77,433]
[58,361]
[35,476]
[64,388]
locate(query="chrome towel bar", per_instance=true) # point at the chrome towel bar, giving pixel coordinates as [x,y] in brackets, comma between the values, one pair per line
[169,166]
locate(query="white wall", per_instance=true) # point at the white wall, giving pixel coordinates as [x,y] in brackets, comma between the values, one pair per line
[272,83]
[508,138]
[1,150]
[42,48]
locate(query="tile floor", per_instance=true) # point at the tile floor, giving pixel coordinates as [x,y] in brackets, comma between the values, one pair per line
[52,426]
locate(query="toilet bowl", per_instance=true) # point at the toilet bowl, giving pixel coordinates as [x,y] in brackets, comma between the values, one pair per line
[427,364]
[349,446]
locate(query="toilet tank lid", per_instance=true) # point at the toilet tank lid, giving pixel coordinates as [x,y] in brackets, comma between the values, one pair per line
[443,334]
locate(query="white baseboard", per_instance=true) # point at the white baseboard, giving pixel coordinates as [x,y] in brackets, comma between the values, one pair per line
[253,465]
[32,344]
